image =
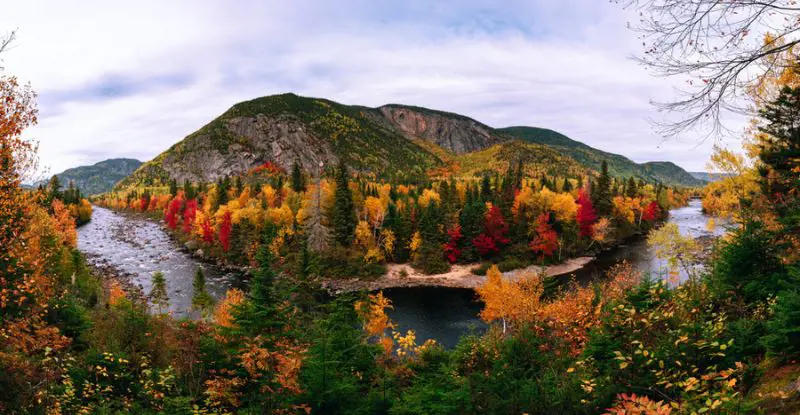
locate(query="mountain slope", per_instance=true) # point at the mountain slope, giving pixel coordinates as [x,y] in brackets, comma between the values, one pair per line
[282,129]
[709,177]
[100,177]
[394,140]
[665,172]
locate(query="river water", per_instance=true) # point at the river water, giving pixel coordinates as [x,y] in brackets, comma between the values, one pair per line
[139,247]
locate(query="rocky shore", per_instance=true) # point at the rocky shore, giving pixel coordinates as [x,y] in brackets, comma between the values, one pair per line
[459,276]
[109,274]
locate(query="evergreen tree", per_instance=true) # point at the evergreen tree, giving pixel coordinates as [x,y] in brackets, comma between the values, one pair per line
[223,186]
[430,257]
[471,221]
[567,187]
[601,192]
[486,188]
[298,179]
[173,187]
[779,153]
[260,314]
[158,293]
[631,190]
[188,190]
[53,189]
[201,299]
[344,215]
[341,364]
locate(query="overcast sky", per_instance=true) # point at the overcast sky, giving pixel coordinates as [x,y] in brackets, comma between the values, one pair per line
[129,79]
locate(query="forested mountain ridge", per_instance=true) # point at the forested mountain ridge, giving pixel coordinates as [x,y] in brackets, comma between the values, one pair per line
[389,140]
[99,177]
[665,172]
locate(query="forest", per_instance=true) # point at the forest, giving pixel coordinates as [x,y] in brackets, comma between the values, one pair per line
[724,340]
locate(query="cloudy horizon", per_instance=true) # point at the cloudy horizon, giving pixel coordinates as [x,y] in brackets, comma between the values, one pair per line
[130,80]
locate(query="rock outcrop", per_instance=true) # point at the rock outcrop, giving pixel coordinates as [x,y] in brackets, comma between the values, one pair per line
[453,132]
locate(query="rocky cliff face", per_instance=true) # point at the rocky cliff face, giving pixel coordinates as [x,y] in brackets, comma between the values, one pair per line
[254,141]
[450,131]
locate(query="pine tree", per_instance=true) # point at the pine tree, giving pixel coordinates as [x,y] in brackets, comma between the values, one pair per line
[601,192]
[158,293]
[779,153]
[567,187]
[298,179]
[188,190]
[260,314]
[201,299]
[173,187]
[344,215]
[471,221]
[486,188]
[631,190]
[53,189]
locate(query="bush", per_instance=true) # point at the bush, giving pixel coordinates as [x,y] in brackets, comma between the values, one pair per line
[783,340]
[748,265]
[511,263]
[482,268]
[341,264]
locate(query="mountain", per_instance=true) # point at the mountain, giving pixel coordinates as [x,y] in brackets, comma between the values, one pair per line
[708,177]
[100,177]
[394,140]
[665,172]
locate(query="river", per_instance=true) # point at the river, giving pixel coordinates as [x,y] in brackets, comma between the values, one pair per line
[139,247]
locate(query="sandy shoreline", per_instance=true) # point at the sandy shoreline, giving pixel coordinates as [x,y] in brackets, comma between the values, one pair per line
[459,276]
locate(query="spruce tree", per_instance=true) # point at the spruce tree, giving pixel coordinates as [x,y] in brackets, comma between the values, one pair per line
[344,215]
[601,192]
[486,188]
[298,180]
[201,299]
[173,187]
[567,187]
[631,190]
[158,293]
[260,314]
[188,190]
[779,154]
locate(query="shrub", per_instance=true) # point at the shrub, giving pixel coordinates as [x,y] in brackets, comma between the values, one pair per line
[783,340]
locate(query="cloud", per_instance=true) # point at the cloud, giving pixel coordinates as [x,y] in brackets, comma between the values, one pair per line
[129,80]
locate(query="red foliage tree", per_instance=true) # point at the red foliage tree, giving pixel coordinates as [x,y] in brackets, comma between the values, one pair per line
[143,203]
[207,231]
[153,204]
[586,214]
[545,242]
[189,213]
[451,251]
[651,212]
[172,212]
[225,231]
[494,234]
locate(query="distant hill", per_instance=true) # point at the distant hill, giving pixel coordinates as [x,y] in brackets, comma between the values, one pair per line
[100,177]
[665,172]
[392,140]
[708,177]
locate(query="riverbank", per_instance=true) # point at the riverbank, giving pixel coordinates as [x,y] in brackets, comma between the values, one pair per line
[459,276]
[111,276]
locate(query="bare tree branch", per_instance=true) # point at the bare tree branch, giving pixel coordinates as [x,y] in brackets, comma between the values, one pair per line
[718,46]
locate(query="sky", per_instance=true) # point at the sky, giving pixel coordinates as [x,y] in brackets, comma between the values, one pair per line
[129,79]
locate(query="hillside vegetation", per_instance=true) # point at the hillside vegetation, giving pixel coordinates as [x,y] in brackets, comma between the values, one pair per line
[398,141]
[99,177]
